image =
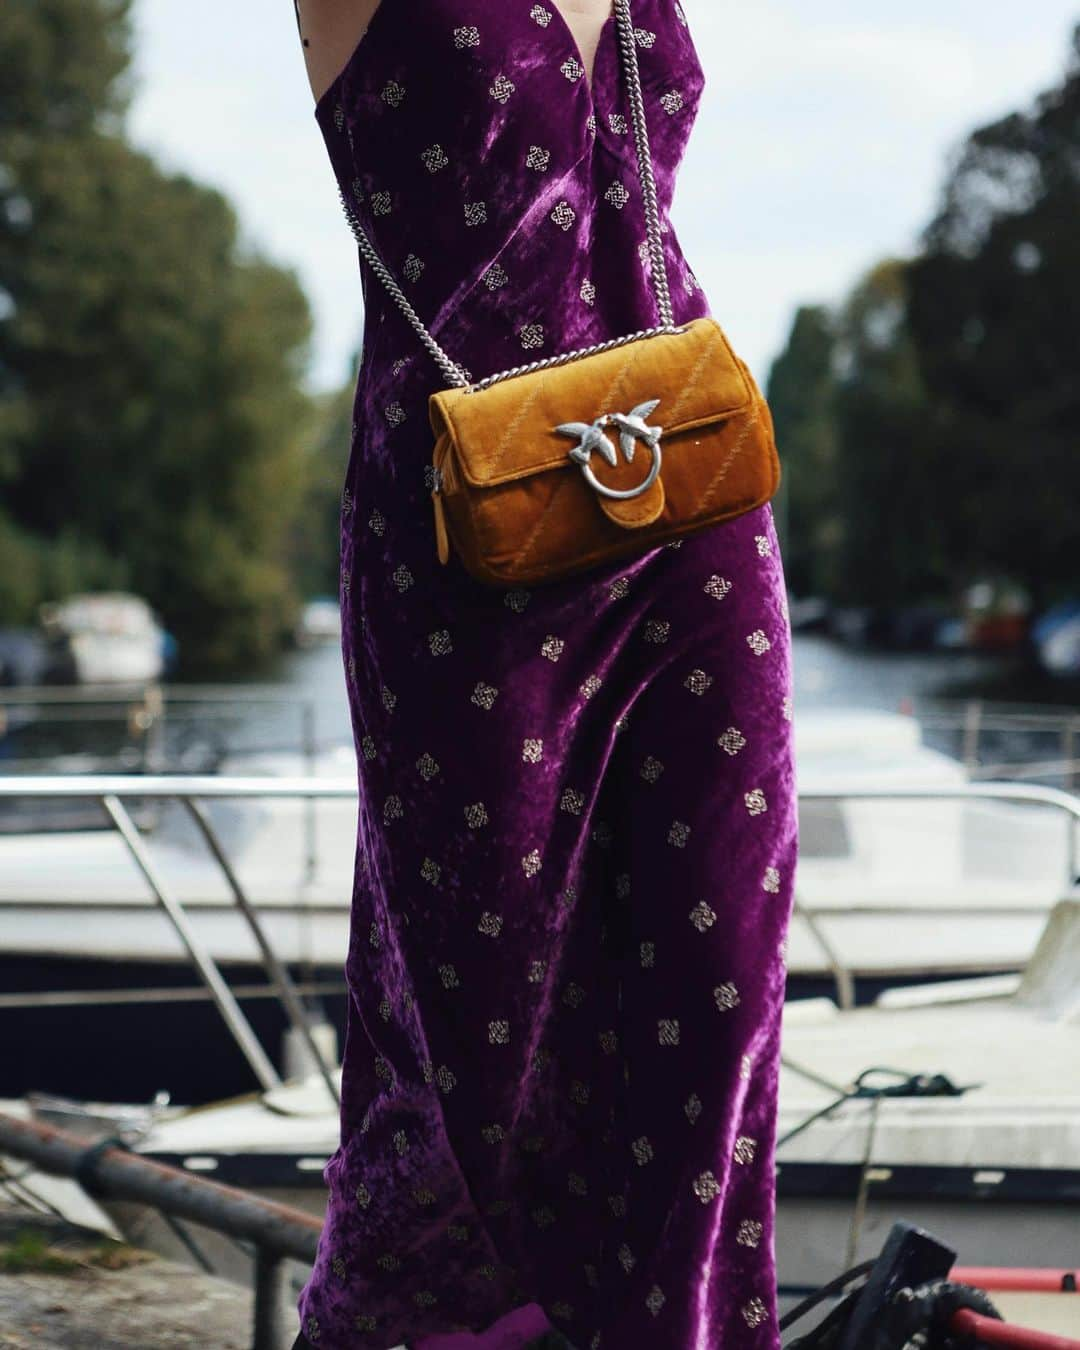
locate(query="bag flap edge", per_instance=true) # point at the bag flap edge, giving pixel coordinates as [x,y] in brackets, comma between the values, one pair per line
[443,406]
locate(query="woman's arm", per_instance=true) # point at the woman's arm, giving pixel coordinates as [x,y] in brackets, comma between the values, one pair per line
[330,31]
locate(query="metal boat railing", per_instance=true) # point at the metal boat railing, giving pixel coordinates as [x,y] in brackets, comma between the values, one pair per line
[975,719]
[148,710]
[965,726]
[145,709]
[192,791]
[1017,793]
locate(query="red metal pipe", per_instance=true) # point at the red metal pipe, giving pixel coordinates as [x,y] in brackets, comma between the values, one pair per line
[1017,1279]
[987,1331]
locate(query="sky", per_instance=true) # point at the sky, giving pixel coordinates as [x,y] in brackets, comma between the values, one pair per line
[821,144]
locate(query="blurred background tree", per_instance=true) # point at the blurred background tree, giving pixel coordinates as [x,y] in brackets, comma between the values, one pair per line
[155,432]
[930,424]
[995,313]
[154,429]
[888,547]
[316,531]
[802,388]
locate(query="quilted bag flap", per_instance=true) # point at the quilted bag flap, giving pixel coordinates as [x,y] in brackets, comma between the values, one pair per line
[508,430]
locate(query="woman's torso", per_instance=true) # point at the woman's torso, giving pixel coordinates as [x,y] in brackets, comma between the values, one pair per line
[501,189]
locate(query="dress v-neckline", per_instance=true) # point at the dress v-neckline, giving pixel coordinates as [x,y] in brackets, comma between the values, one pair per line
[382,15]
[610,23]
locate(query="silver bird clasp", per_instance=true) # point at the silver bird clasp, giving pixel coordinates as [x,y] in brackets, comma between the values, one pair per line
[632,427]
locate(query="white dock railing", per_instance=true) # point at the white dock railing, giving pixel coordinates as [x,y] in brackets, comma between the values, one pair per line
[978,731]
[110,791]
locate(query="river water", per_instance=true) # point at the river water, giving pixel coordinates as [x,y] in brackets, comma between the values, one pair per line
[827,674]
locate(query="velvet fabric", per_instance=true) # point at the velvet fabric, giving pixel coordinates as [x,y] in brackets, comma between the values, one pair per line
[523,1327]
[577,835]
[517,506]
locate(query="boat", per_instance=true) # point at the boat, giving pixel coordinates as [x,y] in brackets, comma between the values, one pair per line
[956,1104]
[896,888]
[952,1107]
[864,866]
[111,637]
[319,621]
[912,1290]
[911,887]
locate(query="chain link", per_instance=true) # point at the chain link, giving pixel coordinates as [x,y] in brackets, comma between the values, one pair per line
[628,43]
[564,357]
[457,375]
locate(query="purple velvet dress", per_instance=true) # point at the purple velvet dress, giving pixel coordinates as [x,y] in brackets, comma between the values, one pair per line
[577,827]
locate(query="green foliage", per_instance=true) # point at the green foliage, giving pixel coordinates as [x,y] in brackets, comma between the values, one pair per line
[316,533]
[995,311]
[888,550]
[153,424]
[31,1253]
[851,418]
[800,391]
[33,568]
[61,68]
[930,427]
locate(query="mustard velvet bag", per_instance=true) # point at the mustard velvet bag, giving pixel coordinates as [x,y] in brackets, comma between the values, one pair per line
[550,469]
[520,508]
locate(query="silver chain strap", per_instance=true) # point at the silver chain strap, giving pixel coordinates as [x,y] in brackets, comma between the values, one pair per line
[457,375]
[628,43]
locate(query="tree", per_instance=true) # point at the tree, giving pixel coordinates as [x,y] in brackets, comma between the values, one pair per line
[995,312]
[316,533]
[151,408]
[63,68]
[891,550]
[800,390]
